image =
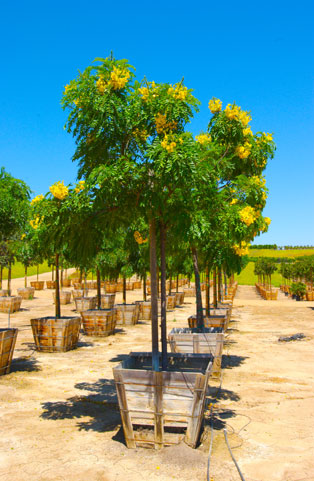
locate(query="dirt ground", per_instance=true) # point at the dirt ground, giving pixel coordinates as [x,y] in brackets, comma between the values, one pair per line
[60,420]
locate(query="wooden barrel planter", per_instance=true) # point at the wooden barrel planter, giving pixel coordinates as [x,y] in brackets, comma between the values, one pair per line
[107,301]
[189,291]
[39,285]
[209,341]
[10,303]
[111,288]
[66,283]
[78,285]
[93,284]
[148,290]
[129,286]
[137,284]
[171,301]
[56,335]
[309,295]
[99,322]
[26,292]
[212,321]
[85,303]
[145,310]
[65,297]
[127,314]
[51,284]
[118,287]
[162,400]
[4,292]
[7,344]
[79,293]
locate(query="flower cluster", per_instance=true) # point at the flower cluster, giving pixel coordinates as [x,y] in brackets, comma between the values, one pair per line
[234,201]
[248,215]
[258,181]
[138,237]
[247,132]
[59,190]
[80,186]
[36,199]
[267,137]
[101,85]
[119,78]
[162,126]
[144,91]
[267,222]
[23,236]
[242,249]
[214,105]
[178,92]
[168,145]
[203,139]
[149,90]
[35,222]
[234,112]
[140,135]
[243,151]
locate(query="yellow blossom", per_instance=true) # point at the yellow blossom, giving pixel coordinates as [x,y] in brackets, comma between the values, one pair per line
[242,249]
[242,152]
[138,237]
[119,78]
[234,201]
[23,236]
[203,139]
[80,186]
[101,85]
[144,91]
[169,146]
[268,137]
[264,196]
[267,220]
[36,199]
[248,215]
[214,105]
[232,111]
[162,125]
[36,222]
[244,118]
[247,131]
[140,135]
[59,190]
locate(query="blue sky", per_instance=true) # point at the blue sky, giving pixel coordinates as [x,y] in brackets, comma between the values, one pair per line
[258,54]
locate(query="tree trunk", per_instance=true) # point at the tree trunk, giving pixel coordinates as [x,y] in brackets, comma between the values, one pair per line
[215,287]
[226,288]
[170,283]
[25,276]
[164,359]
[52,273]
[37,271]
[1,276]
[98,290]
[199,306]
[144,288]
[57,300]
[177,283]
[81,276]
[124,290]
[154,294]
[219,284]
[207,292]
[9,279]
[85,290]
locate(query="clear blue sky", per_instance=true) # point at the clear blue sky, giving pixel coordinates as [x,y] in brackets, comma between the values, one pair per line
[258,54]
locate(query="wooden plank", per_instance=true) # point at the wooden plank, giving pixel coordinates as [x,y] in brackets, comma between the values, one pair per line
[195,422]
[126,422]
[159,426]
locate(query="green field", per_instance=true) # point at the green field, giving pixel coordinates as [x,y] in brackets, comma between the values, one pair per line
[280,253]
[18,270]
[248,278]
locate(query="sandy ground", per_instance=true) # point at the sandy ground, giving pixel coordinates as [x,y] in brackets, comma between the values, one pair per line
[60,420]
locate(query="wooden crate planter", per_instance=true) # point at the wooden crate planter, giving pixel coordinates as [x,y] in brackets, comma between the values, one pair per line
[51,284]
[189,291]
[129,286]
[127,314]
[79,293]
[4,292]
[10,304]
[171,301]
[65,297]
[78,285]
[7,344]
[85,303]
[99,322]
[38,285]
[165,399]
[107,301]
[111,288]
[212,321]
[119,287]
[209,341]
[145,310]
[26,292]
[66,283]
[180,298]
[56,335]
[137,284]
[310,295]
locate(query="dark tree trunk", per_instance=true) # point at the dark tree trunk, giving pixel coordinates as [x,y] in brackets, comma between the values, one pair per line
[81,275]
[37,271]
[144,288]
[85,290]
[25,276]
[164,360]
[199,306]
[219,284]
[124,290]
[52,273]
[57,300]
[98,290]
[154,294]
[1,276]
[207,292]
[170,283]
[9,279]
[215,287]
[177,283]
[226,288]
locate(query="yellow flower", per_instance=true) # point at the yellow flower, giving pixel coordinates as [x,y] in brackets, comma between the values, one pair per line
[247,131]
[162,125]
[80,186]
[203,139]
[234,201]
[101,85]
[264,196]
[242,249]
[232,111]
[119,78]
[138,237]
[23,236]
[242,152]
[169,146]
[267,220]
[248,215]
[140,135]
[38,198]
[214,105]
[144,91]
[178,92]
[59,190]
[244,118]
[36,222]
[268,137]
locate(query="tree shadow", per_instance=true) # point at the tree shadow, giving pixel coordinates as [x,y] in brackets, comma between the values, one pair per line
[100,407]
[24,364]
[84,344]
[231,360]
[119,358]
[214,395]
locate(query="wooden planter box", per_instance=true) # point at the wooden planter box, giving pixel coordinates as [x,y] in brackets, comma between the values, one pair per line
[165,399]
[119,287]
[4,292]
[107,301]
[79,293]
[85,303]
[99,322]
[7,344]
[145,310]
[93,284]
[309,295]
[12,303]
[127,314]
[137,284]
[180,298]
[78,285]
[51,284]
[111,288]
[210,341]
[56,335]
[65,297]
[212,321]
[26,292]
[189,291]
[171,301]
[129,286]
[66,283]
[39,285]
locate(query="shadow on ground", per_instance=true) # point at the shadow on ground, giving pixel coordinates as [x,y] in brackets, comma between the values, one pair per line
[25,364]
[100,406]
[231,360]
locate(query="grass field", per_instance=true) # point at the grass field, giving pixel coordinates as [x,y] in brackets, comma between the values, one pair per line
[248,278]
[18,270]
[284,253]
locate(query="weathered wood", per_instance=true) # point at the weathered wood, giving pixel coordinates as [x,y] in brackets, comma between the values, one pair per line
[10,303]
[125,416]
[56,335]
[158,410]
[65,297]
[26,292]
[107,301]
[99,322]
[127,314]
[85,303]
[38,285]
[7,344]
